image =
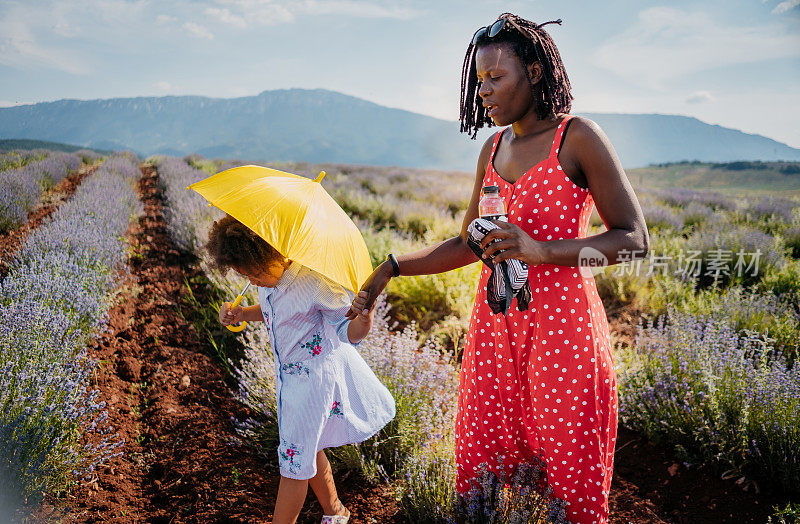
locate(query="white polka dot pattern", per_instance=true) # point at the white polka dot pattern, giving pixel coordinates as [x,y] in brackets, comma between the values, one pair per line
[542,381]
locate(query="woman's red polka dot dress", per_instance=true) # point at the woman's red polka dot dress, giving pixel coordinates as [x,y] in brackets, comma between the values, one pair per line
[542,381]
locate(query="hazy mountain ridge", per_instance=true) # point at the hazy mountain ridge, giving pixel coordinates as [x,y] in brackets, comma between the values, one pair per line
[12,144]
[326,126]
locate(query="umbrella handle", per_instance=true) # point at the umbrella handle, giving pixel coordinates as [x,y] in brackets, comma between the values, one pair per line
[242,324]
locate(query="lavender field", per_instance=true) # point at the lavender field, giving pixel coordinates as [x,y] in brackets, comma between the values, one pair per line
[52,300]
[712,375]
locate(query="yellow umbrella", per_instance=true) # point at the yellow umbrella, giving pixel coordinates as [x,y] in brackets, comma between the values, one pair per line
[296,216]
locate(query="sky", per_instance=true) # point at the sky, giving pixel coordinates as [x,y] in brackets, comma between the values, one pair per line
[729,62]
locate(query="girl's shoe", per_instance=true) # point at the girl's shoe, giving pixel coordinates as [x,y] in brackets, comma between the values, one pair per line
[336,519]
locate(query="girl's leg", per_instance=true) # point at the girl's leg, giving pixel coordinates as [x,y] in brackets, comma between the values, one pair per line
[291,496]
[324,487]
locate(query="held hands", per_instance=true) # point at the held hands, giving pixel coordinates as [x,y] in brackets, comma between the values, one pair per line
[360,323]
[373,287]
[514,243]
[363,313]
[229,316]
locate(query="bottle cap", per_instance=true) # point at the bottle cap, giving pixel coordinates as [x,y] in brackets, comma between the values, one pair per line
[491,189]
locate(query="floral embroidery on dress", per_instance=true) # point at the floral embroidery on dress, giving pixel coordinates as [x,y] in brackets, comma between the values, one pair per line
[314,347]
[290,454]
[295,368]
[336,409]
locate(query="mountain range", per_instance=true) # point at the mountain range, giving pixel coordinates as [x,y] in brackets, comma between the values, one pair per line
[325,126]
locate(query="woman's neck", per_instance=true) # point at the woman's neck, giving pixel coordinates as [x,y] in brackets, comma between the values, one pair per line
[531,124]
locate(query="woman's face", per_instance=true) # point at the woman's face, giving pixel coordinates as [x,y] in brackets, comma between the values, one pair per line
[504,88]
[268,276]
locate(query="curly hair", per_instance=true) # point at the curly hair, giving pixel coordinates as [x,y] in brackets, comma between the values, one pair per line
[231,244]
[554,92]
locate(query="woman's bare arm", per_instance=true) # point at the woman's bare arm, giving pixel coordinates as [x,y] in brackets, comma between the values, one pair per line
[614,197]
[450,254]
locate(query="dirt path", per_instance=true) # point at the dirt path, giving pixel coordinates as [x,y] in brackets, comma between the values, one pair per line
[11,241]
[167,398]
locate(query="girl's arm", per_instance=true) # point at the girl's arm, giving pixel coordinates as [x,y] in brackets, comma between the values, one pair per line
[252,313]
[229,315]
[450,254]
[359,327]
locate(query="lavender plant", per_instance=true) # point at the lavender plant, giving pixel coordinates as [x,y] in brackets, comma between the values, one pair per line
[722,241]
[19,157]
[518,498]
[681,197]
[697,383]
[696,214]
[53,298]
[660,216]
[519,494]
[424,383]
[188,216]
[775,208]
[22,186]
[88,156]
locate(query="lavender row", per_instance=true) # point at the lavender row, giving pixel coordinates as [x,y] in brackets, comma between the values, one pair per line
[19,157]
[23,186]
[55,296]
[717,395]
[188,216]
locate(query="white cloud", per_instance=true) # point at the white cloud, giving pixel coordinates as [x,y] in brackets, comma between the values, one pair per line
[35,35]
[19,48]
[700,97]
[242,13]
[785,6]
[165,19]
[257,12]
[667,43]
[226,17]
[197,30]
[355,8]
[66,29]
[165,87]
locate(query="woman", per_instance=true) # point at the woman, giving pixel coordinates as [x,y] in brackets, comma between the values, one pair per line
[540,381]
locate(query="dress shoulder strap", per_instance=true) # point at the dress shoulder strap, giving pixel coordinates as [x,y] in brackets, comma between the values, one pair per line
[559,137]
[494,145]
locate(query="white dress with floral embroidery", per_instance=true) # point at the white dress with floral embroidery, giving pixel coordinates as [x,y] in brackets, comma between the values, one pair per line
[327,395]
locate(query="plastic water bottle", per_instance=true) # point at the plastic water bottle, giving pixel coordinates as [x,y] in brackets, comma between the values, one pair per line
[492,206]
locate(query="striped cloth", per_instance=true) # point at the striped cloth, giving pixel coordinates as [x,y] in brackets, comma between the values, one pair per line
[510,281]
[327,394]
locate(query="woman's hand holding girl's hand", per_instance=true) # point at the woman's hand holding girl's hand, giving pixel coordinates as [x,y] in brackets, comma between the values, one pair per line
[228,315]
[360,304]
[373,287]
[514,243]
[361,323]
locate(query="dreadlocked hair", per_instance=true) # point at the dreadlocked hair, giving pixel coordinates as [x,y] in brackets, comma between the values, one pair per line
[231,244]
[554,93]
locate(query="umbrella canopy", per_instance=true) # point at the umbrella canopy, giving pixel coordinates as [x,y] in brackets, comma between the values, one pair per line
[296,216]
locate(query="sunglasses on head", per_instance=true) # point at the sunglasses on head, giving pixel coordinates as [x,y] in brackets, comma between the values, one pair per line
[493,30]
[505,23]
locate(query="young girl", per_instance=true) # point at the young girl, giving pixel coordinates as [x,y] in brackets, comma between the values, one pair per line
[327,396]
